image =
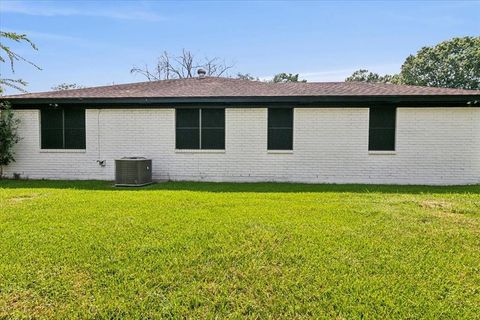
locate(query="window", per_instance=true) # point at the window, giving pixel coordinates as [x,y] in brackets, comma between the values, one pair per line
[63,128]
[200,128]
[280,129]
[382,129]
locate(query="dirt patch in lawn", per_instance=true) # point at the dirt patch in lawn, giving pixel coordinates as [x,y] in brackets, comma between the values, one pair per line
[24,304]
[25,197]
[457,214]
[441,205]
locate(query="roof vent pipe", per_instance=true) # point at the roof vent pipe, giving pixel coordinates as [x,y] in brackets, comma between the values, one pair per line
[201,73]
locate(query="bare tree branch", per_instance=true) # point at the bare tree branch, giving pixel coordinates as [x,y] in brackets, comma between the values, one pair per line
[182,66]
[145,72]
[215,67]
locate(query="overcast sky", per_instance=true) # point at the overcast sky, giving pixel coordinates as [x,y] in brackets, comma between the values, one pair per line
[98,42]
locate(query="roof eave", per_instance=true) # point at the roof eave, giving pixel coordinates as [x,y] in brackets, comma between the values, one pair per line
[255,101]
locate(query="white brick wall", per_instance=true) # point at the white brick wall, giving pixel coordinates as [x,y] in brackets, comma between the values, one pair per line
[434,146]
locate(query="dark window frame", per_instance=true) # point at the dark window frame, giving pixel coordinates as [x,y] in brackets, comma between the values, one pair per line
[377,142]
[274,145]
[68,139]
[203,128]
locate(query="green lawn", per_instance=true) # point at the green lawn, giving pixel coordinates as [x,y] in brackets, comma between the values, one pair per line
[206,250]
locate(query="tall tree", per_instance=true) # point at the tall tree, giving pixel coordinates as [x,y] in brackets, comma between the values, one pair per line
[286,77]
[181,66]
[453,63]
[8,135]
[6,54]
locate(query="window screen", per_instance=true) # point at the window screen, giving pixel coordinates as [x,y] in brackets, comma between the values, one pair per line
[280,129]
[63,128]
[382,129]
[188,129]
[213,128]
[200,128]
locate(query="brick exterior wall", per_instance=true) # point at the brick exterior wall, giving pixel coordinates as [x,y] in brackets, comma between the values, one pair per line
[438,146]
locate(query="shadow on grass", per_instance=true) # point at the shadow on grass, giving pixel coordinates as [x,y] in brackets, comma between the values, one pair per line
[239,187]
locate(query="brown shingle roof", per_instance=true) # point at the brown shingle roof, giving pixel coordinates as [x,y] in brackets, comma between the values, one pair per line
[227,87]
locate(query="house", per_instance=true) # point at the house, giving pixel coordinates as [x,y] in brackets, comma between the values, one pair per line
[222,129]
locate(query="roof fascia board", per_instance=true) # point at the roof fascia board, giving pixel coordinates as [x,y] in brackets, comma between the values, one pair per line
[298,101]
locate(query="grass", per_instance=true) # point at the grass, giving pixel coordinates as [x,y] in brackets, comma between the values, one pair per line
[205,250]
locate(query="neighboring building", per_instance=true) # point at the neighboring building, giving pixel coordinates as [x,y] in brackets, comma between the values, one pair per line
[220,129]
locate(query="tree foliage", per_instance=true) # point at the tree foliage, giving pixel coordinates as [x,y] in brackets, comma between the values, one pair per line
[67,86]
[182,66]
[246,76]
[453,63]
[8,135]
[364,75]
[450,64]
[6,54]
[286,77]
